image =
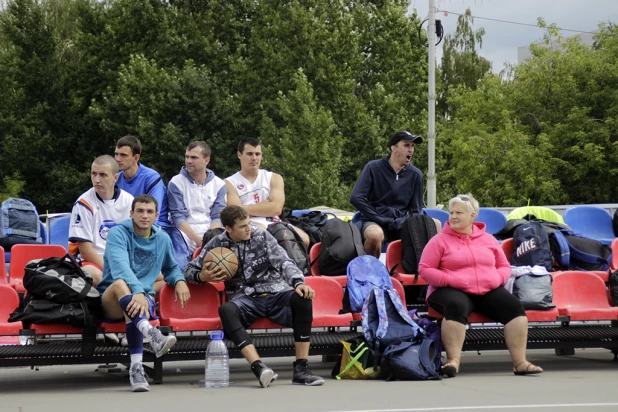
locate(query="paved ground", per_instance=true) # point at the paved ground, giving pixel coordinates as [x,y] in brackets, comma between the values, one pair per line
[587,381]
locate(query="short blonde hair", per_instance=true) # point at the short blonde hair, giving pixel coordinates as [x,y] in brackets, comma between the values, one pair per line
[468,201]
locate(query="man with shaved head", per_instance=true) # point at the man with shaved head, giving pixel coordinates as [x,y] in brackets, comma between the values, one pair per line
[95,212]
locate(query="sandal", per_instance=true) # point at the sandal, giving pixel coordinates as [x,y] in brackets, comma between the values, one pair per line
[450,368]
[529,369]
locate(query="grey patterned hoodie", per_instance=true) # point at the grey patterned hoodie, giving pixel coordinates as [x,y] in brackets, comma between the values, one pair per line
[263,265]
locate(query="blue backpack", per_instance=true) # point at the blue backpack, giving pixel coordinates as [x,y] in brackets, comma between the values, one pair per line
[364,274]
[577,252]
[531,246]
[19,223]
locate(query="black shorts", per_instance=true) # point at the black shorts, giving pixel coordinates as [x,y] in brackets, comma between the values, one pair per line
[389,235]
[274,306]
[498,304]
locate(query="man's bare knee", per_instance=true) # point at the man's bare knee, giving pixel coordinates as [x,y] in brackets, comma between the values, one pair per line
[120,288]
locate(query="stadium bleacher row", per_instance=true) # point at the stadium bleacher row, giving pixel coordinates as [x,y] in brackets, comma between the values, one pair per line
[582,318]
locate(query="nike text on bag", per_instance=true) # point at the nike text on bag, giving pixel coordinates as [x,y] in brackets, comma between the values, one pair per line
[364,274]
[341,242]
[573,251]
[531,246]
[415,233]
[293,245]
[19,223]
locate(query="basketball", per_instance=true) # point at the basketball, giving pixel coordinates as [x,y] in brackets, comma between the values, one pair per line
[224,257]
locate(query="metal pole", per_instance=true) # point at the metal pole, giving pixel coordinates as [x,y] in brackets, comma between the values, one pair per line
[431,121]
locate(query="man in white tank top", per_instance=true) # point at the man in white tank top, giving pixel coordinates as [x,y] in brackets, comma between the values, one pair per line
[260,192]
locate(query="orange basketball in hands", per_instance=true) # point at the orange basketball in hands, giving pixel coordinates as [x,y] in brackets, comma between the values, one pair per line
[224,257]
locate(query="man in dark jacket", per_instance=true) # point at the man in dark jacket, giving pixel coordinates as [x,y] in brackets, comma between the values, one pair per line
[267,284]
[388,191]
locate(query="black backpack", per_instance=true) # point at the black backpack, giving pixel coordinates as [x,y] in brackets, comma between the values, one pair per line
[293,245]
[531,246]
[211,234]
[311,223]
[59,291]
[341,242]
[415,233]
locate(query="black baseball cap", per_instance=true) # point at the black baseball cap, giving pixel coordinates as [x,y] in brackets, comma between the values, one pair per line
[406,137]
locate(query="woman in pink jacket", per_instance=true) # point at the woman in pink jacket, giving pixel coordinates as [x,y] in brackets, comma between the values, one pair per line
[466,269]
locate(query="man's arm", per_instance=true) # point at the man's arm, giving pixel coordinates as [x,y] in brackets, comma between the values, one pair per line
[360,195]
[274,206]
[232,194]
[87,252]
[178,212]
[217,207]
[157,190]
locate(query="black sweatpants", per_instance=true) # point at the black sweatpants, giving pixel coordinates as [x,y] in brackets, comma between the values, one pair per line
[498,304]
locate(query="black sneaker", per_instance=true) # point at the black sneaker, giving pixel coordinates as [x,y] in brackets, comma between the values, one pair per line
[304,376]
[265,375]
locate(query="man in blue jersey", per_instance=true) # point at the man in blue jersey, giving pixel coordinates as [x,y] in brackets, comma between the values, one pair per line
[387,191]
[137,179]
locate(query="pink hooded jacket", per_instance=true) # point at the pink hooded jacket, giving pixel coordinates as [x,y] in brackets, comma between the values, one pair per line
[473,263]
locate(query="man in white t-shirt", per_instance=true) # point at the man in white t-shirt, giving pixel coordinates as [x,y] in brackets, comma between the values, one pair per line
[196,196]
[260,192]
[95,212]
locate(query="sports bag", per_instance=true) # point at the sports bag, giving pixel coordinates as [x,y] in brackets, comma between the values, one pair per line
[534,291]
[341,242]
[411,360]
[364,274]
[386,322]
[576,252]
[434,332]
[311,223]
[19,223]
[415,233]
[211,234]
[293,245]
[356,361]
[59,280]
[531,246]
[613,287]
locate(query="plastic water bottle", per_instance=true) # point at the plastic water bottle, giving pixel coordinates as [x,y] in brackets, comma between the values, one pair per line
[217,362]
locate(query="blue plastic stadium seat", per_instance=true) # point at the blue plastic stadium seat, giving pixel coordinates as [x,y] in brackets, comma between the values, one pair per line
[493,219]
[59,231]
[441,215]
[591,221]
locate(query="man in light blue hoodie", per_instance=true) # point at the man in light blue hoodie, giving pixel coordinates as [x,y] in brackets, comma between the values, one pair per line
[137,251]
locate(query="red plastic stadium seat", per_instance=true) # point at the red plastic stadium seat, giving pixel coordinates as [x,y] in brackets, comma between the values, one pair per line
[507,247]
[9,300]
[582,296]
[3,280]
[473,318]
[393,260]
[603,275]
[265,323]
[327,302]
[200,313]
[314,254]
[119,327]
[196,253]
[22,254]
[55,329]
[613,264]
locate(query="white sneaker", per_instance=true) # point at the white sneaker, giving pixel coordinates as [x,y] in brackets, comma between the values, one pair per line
[137,377]
[112,338]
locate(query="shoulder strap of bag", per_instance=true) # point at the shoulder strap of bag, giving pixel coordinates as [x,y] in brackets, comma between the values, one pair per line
[563,256]
[358,241]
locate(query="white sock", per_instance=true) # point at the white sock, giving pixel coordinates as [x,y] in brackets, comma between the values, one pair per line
[136,358]
[144,326]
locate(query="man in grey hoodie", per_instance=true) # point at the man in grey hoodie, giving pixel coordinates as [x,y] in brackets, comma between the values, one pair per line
[267,284]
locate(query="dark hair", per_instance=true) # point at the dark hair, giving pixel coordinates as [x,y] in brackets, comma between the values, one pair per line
[133,143]
[107,160]
[202,145]
[144,199]
[251,141]
[231,214]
